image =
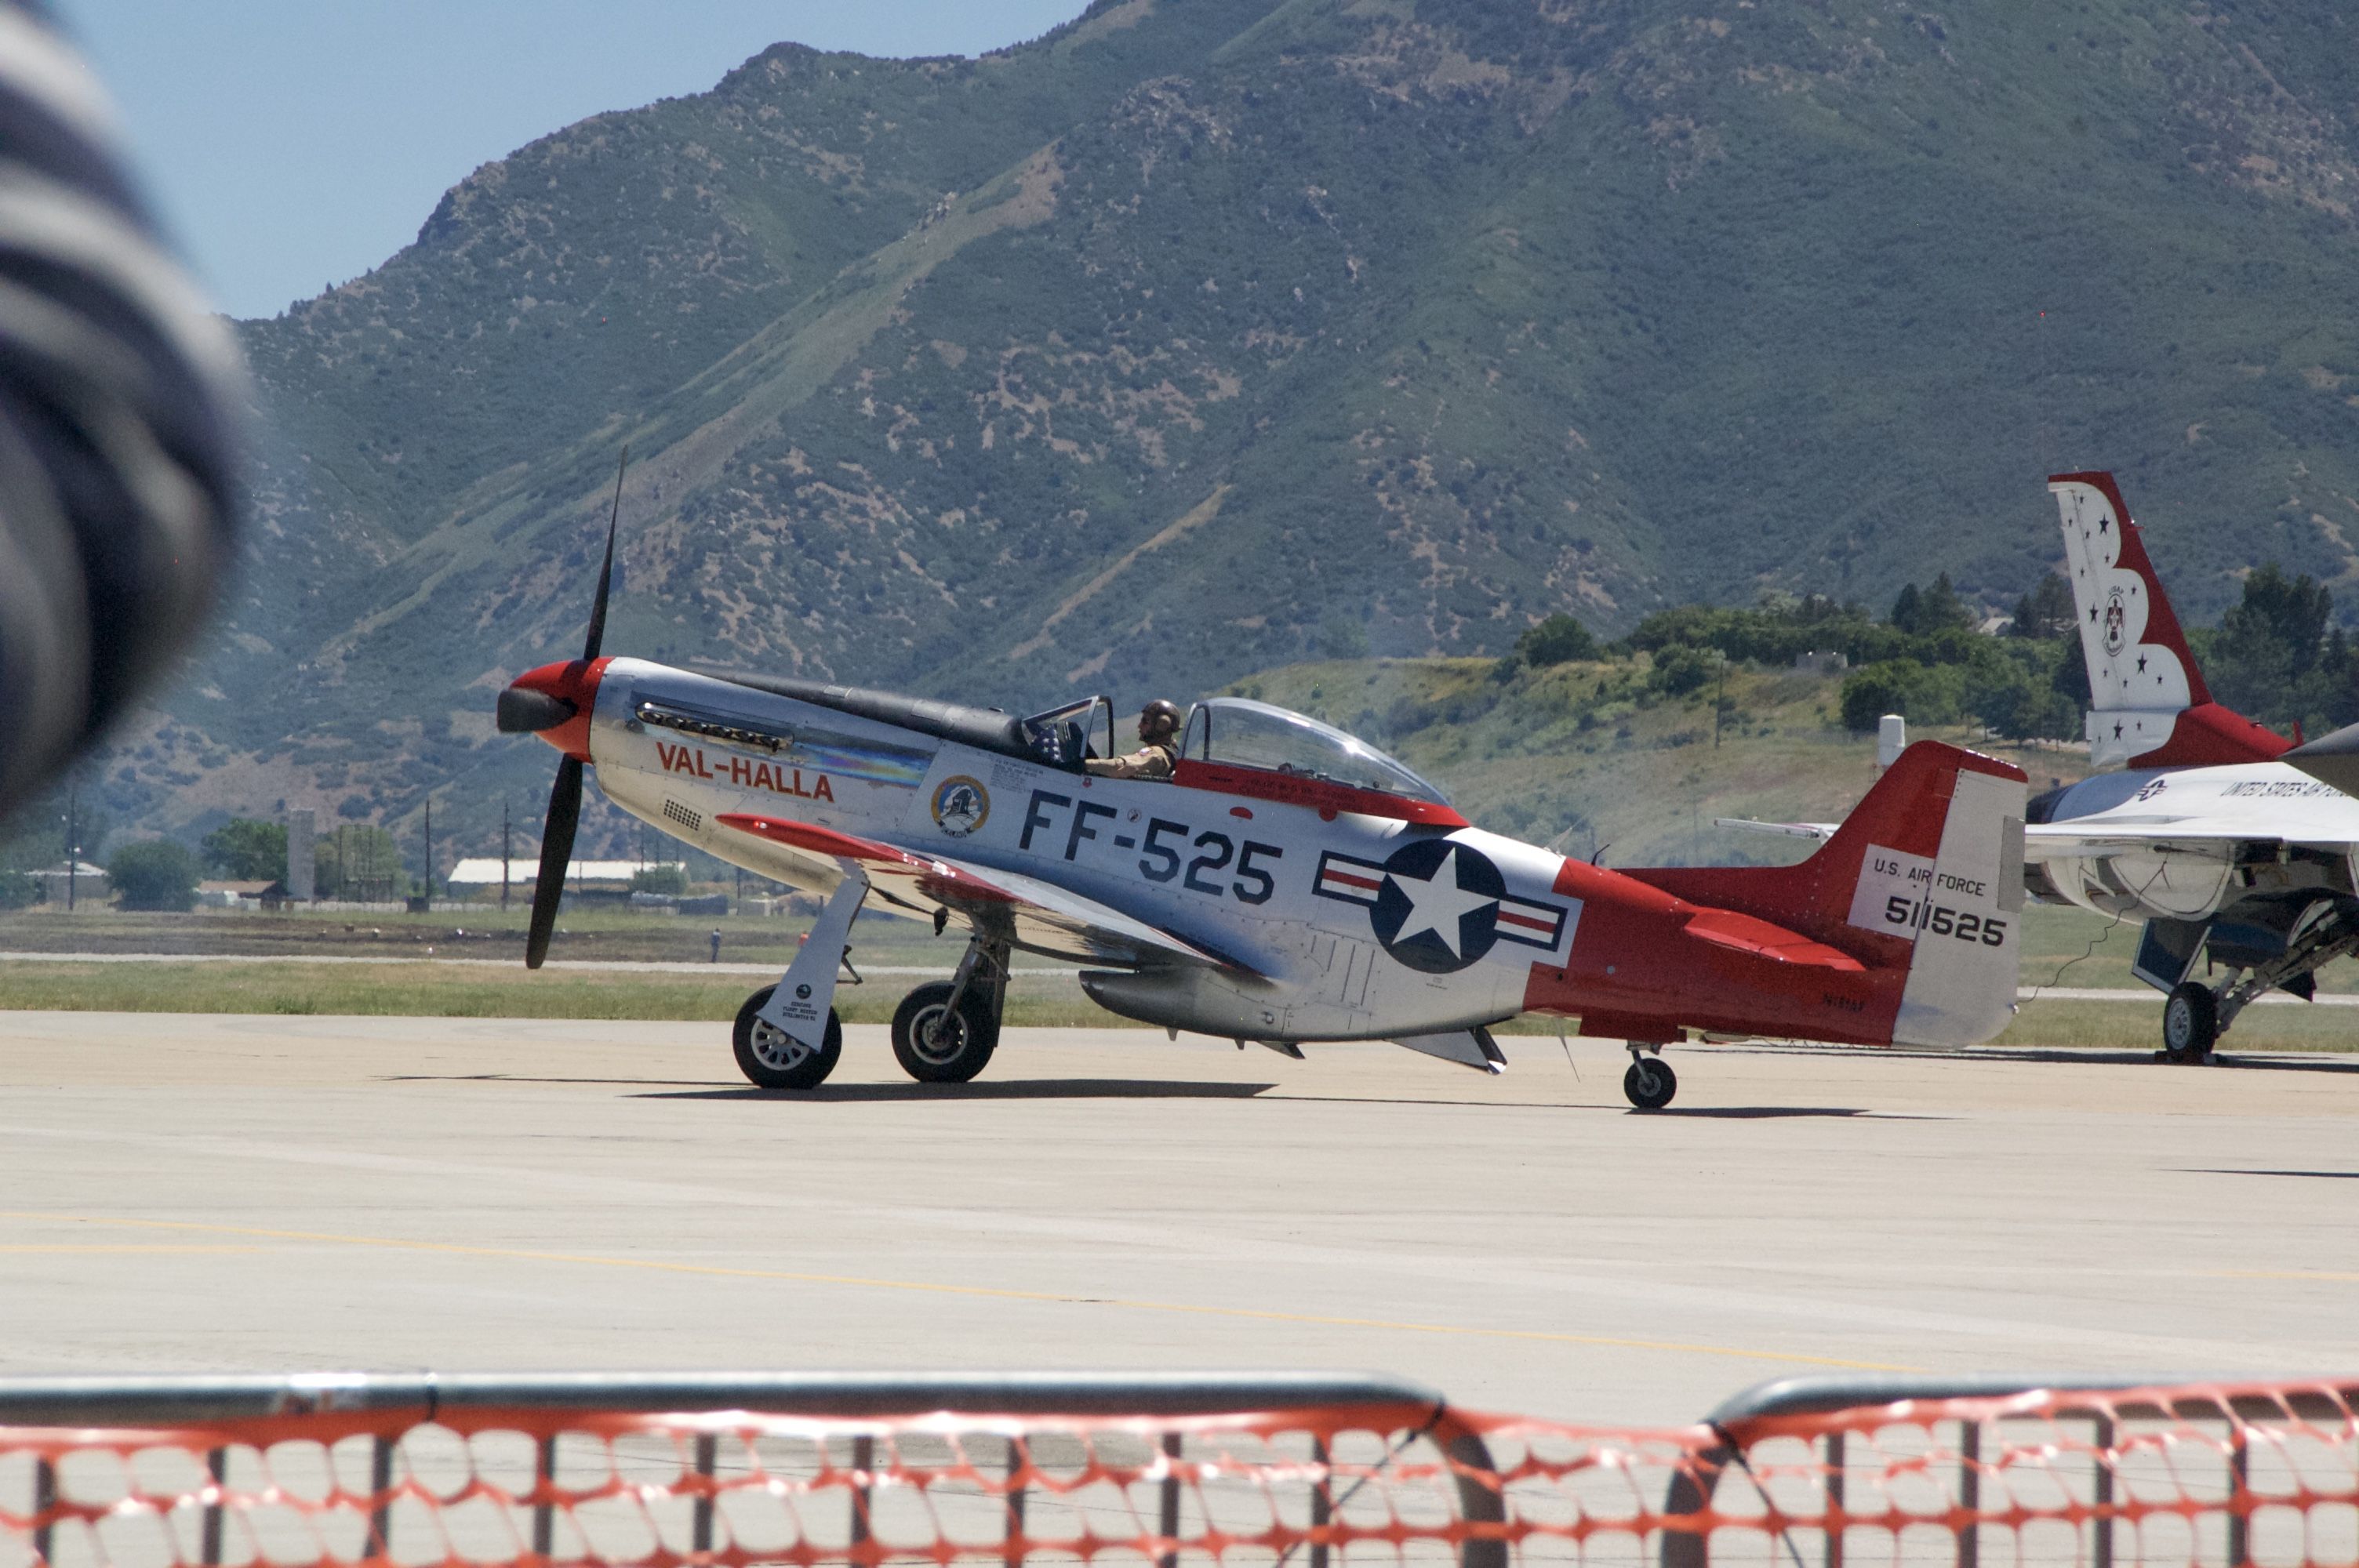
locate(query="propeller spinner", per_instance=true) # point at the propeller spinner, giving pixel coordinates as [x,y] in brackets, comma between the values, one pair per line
[555,702]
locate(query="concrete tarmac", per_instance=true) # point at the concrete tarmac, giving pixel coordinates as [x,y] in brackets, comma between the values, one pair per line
[213,1193]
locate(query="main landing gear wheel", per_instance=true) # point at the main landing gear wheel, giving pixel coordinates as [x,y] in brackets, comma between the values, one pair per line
[937,1045]
[2191,1023]
[1649,1082]
[776,1060]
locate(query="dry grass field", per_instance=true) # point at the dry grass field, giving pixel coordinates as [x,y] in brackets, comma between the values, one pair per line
[470,965]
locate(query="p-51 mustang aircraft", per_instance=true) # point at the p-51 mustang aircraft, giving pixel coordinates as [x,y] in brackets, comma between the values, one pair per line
[1288,883]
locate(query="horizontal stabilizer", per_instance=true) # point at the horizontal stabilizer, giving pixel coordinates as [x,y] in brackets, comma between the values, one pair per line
[1818,832]
[1925,876]
[1884,847]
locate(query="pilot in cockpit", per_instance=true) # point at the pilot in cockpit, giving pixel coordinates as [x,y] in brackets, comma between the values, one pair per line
[1158,746]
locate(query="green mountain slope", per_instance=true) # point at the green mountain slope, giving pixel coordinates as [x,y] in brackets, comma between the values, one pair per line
[1152,352]
[1593,758]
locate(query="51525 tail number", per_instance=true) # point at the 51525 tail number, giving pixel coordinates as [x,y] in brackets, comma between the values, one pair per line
[1941,919]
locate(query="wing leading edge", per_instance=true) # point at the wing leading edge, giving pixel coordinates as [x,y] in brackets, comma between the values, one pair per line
[1040,915]
[2154,836]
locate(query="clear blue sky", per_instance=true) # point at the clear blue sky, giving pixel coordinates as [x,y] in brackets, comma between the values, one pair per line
[294,143]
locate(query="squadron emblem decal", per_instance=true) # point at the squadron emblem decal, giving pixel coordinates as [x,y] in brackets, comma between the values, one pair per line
[2116,622]
[960,805]
[1438,905]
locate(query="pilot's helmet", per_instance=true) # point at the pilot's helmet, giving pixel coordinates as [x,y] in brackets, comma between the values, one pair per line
[1158,720]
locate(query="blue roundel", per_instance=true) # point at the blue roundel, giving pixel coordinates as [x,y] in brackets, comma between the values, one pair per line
[1439,908]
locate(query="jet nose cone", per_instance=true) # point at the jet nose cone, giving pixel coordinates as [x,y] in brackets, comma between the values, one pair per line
[2330,758]
[554,702]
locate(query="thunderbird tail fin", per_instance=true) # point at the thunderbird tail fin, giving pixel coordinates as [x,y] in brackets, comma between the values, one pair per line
[2149,707]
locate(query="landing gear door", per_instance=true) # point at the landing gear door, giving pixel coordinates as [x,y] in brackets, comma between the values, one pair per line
[2168,952]
[799,1006]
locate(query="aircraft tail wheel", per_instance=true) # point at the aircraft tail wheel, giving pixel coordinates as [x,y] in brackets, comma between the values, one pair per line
[771,1057]
[2191,1023]
[1649,1082]
[937,1045]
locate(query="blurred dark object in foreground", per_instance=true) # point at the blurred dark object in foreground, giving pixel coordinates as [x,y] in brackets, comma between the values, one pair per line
[120,408]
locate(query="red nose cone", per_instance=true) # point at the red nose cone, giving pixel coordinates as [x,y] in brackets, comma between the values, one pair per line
[576,682]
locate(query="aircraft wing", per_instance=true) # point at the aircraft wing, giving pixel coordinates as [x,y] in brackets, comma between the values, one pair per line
[1040,915]
[2193,838]
[2159,835]
[1818,832]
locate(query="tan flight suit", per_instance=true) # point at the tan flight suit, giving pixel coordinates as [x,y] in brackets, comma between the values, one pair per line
[1153,761]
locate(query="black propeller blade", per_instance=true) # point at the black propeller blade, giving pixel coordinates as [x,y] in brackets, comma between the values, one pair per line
[531,712]
[605,569]
[556,855]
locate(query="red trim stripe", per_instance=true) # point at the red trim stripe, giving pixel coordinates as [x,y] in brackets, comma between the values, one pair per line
[1289,789]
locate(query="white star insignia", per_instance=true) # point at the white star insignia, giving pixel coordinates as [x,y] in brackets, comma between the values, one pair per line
[1437,904]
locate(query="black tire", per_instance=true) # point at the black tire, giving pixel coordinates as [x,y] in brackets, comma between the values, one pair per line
[2190,1022]
[769,1058]
[936,1046]
[1650,1083]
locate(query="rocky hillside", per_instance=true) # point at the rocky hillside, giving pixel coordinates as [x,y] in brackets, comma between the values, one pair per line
[1202,336]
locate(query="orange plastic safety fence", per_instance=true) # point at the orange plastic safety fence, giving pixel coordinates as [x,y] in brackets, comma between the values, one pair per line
[2266,1477]
[2264,1474]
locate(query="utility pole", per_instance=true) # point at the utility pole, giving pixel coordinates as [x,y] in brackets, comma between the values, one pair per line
[429,851]
[1719,702]
[503,854]
[74,844]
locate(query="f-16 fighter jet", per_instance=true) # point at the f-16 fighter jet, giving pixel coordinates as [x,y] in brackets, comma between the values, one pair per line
[2234,847]
[1285,883]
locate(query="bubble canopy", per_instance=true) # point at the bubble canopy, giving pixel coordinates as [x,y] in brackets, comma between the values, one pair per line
[1238,733]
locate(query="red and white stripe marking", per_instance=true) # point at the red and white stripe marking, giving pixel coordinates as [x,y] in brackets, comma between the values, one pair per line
[1341,876]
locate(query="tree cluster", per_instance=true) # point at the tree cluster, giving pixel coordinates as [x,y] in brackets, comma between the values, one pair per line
[660,879]
[1925,659]
[246,850]
[2275,659]
[1558,640]
[153,874]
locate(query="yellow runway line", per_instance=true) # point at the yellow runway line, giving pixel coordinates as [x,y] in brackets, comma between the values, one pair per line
[13,1249]
[935,1288]
[2326,1275]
